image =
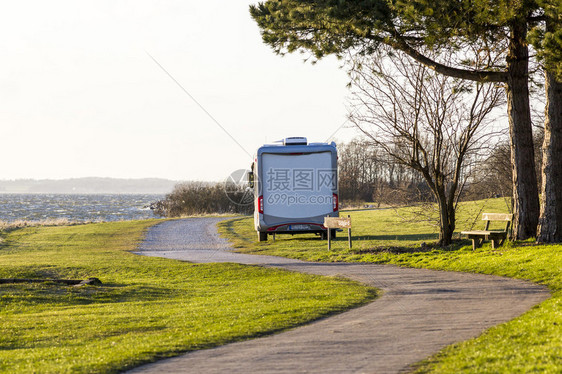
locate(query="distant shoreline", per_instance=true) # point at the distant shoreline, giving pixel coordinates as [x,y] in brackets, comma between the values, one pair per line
[88,186]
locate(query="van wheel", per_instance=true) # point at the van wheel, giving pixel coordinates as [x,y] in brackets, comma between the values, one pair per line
[262,236]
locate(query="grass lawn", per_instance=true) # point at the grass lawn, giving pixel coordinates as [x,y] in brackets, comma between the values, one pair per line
[530,343]
[147,308]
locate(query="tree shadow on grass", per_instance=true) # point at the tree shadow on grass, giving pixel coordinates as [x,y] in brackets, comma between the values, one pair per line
[421,248]
[51,293]
[408,237]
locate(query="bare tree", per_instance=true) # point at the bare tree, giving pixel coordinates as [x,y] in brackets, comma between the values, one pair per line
[433,124]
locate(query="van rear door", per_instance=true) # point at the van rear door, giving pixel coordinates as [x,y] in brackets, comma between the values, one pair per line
[298,185]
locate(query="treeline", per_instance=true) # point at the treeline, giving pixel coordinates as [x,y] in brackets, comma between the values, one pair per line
[89,185]
[493,176]
[368,174]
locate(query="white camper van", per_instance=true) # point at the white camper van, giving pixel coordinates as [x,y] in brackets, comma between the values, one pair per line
[295,187]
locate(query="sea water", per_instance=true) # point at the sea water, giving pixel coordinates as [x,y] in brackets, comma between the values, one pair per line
[77,208]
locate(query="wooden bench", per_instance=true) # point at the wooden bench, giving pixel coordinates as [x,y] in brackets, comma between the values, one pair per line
[497,237]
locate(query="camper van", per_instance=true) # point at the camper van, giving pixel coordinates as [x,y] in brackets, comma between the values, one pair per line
[295,186]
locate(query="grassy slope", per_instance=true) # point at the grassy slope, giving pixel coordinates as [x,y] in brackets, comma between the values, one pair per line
[146,308]
[530,343]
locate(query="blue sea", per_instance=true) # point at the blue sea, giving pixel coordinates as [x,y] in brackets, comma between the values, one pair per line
[78,208]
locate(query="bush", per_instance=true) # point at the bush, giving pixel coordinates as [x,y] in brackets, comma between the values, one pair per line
[196,198]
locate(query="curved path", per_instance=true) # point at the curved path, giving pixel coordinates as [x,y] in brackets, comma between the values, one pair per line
[420,312]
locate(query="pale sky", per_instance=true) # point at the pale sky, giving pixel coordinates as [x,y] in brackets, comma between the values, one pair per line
[79,95]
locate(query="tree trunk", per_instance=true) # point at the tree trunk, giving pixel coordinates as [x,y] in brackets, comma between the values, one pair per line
[525,189]
[446,220]
[550,222]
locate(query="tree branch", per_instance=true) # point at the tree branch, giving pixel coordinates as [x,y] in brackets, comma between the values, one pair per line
[398,42]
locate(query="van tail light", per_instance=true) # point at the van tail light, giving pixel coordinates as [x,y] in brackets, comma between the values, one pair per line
[260,204]
[335,202]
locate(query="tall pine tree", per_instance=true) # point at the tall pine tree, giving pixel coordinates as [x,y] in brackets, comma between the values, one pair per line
[547,39]
[359,26]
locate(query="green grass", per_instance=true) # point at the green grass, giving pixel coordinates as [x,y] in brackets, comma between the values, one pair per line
[530,343]
[385,231]
[147,308]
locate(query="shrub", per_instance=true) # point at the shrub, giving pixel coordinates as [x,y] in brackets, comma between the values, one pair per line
[196,198]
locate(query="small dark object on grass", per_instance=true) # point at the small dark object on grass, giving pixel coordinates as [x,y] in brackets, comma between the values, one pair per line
[70,282]
[90,281]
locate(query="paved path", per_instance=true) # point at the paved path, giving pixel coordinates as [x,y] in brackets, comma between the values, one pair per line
[420,312]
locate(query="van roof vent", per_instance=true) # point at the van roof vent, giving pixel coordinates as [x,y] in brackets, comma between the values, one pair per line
[295,140]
